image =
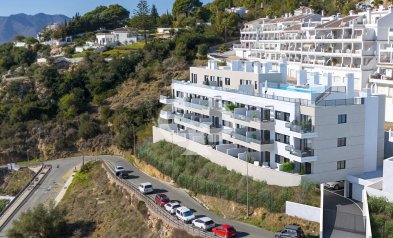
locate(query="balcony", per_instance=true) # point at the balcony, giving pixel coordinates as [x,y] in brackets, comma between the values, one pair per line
[166,99]
[201,108]
[166,115]
[205,127]
[303,131]
[249,120]
[248,141]
[300,155]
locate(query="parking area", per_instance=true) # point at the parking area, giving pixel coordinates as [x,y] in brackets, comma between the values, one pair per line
[343,217]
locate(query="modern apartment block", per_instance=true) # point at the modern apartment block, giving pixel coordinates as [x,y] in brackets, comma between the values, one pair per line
[247,112]
[336,44]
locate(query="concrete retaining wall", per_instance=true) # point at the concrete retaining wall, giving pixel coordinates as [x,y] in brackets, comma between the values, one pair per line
[271,176]
[305,212]
[366,214]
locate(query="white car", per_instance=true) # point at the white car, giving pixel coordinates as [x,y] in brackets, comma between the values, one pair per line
[145,188]
[119,169]
[335,185]
[204,223]
[184,214]
[171,207]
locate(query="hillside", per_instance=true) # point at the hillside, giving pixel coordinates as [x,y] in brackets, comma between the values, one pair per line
[27,25]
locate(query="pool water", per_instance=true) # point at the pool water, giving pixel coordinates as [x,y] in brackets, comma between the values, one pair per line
[293,89]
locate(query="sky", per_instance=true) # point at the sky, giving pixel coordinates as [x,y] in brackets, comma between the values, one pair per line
[70,7]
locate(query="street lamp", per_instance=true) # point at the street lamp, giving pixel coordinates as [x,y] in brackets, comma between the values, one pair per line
[133,132]
[172,152]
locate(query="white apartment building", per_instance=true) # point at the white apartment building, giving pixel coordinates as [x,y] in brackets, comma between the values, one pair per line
[335,44]
[246,111]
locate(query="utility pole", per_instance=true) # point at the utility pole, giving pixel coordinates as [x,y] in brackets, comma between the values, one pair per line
[247,191]
[133,132]
[172,153]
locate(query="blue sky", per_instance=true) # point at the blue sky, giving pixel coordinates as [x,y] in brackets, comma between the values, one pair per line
[70,7]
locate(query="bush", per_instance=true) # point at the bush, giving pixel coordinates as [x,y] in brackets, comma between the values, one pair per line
[230,107]
[88,128]
[288,166]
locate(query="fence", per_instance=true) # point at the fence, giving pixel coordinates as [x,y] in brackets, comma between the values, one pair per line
[25,199]
[158,210]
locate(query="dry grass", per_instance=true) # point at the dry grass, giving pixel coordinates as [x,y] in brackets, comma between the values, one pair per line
[97,208]
[258,216]
[150,170]
[12,182]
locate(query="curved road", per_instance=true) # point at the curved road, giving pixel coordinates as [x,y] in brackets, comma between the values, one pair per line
[58,176]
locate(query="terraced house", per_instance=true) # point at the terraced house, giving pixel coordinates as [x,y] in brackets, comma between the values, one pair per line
[246,117]
[358,43]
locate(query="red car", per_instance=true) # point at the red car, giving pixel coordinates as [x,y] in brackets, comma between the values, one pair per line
[224,230]
[162,199]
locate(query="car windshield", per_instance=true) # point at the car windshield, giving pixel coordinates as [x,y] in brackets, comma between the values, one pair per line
[120,167]
[231,229]
[187,213]
[209,222]
[164,197]
[147,186]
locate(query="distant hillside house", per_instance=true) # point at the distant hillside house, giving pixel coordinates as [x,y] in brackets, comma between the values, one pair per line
[127,35]
[238,10]
[165,32]
[121,36]
[20,44]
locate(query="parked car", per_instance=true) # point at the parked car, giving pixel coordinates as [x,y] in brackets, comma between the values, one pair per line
[123,174]
[171,207]
[119,169]
[292,231]
[335,185]
[161,199]
[184,214]
[145,188]
[224,230]
[204,223]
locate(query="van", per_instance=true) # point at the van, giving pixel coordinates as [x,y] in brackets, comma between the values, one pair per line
[184,214]
[145,188]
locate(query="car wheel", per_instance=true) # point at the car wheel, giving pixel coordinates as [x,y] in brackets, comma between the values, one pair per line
[336,187]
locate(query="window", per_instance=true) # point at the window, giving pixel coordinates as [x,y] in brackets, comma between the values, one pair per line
[286,116]
[277,159]
[211,78]
[286,139]
[206,77]
[341,164]
[278,115]
[278,137]
[342,118]
[341,142]
[227,81]
[256,85]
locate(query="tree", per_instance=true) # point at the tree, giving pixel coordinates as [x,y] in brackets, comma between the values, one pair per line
[42,221]
[73,103]
[88,128]
[185,6]
[154,15]
[142,18]
[165,20]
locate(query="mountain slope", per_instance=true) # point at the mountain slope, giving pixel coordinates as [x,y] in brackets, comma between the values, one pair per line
[27,25]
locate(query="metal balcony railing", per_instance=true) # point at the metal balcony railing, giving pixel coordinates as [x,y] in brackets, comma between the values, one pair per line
[299,152]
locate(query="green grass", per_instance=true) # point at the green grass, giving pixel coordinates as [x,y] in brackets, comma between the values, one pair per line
[80,54]
[32,161]
[135,46]
[199,175]
[115,52]
[3,203]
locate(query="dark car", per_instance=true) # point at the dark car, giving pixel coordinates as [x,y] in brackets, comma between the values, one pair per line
[162,199]
[291,231]
[123,174]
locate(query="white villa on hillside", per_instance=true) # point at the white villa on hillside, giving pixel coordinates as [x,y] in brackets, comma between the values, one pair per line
[246,111]
[121,36]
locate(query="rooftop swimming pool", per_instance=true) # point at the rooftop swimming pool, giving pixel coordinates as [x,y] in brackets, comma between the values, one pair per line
[293,89]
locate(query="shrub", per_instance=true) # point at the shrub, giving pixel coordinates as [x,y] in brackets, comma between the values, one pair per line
[230,107]
[288,166]
[88,128]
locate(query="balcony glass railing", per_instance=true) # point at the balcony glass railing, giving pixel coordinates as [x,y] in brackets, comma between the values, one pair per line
[304,102]
[194,105]
[298,152]
[247,139]
[205,125]
[306,128]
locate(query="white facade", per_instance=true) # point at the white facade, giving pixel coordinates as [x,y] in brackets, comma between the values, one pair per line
[248,111]
[105,39]
[356,44]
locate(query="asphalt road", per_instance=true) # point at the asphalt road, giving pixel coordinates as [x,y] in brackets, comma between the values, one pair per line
[56,179]
[341,216]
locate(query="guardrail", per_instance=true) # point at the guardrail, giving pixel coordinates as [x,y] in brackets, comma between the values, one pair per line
[159,211]
[25,199]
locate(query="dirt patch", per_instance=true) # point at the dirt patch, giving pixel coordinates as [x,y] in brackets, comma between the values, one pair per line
[150,170]
[258,216]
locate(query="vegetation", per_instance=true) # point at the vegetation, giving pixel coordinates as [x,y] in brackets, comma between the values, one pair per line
[288,166]
[3,204]
[381,217]
[230,107]
[42,221]
[13,182]
[202,176]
